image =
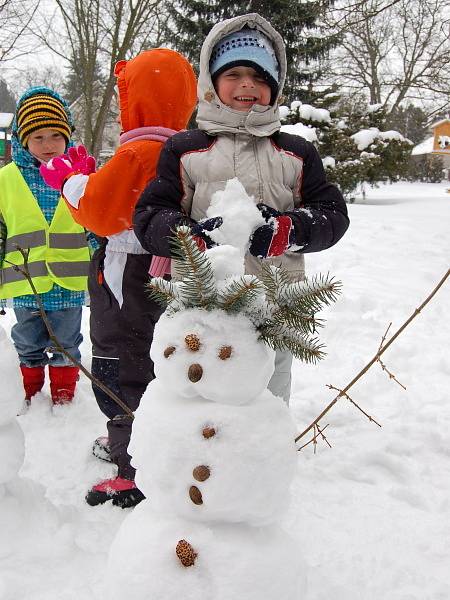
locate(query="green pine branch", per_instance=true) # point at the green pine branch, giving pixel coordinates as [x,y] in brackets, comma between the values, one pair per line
[306,349]
[161,291]
[193,267]
[239,294]
[297,320]
[274,279]
[310,295]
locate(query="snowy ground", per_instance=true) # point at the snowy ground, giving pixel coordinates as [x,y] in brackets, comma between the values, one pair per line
[371,514]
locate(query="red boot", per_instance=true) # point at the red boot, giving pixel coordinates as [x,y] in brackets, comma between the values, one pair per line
[122,492]
[62,383]
[33,380]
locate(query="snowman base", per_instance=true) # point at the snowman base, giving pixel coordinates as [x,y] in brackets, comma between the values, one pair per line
[12,450]
[169,559]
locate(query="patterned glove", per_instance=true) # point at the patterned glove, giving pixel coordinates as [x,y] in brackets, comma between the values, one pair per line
[274,238]
[56,172]
[201,229]
[82,162]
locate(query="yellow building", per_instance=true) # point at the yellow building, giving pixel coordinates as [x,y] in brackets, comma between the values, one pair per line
[441,140]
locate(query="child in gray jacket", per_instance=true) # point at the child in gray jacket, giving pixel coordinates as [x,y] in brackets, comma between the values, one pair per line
[242,71]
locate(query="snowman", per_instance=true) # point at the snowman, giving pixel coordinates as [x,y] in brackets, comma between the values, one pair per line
[12,444]
[213,447]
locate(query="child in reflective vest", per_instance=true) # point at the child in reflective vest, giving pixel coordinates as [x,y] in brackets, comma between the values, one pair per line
[34,218]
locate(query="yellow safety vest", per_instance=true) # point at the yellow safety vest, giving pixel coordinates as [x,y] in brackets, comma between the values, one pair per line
[58,253]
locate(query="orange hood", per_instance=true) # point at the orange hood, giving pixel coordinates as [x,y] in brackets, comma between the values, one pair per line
[157,88]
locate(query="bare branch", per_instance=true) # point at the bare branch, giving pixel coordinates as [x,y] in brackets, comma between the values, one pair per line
[380,351]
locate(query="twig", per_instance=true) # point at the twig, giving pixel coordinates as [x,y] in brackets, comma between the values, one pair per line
[312,439]
[342,393]
[322,435]
[383,366]
[26,273]
[381,350]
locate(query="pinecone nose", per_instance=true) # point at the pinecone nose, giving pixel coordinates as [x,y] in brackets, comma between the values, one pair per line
[195,373]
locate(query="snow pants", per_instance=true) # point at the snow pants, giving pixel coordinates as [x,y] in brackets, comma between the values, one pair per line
[121,336]
[280,382]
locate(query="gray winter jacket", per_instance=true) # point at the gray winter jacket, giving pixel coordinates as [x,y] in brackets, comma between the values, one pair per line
[280,170]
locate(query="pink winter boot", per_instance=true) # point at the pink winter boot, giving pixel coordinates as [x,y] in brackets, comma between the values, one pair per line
[33,380]
[62,383]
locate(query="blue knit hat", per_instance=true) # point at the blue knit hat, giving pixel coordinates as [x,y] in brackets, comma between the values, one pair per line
[247,47]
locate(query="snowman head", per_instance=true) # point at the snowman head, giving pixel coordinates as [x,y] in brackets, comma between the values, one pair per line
[211,355]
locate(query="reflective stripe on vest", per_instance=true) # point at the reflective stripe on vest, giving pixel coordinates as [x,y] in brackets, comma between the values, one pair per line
[25,240]
[69,269]
[67,240]
[36,269]
[60,247]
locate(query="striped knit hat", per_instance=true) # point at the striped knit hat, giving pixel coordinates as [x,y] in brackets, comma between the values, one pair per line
[41,111]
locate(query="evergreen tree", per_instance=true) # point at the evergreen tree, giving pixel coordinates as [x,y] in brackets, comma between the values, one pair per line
[428,168]
[353,143]
[296,20]
[411,121]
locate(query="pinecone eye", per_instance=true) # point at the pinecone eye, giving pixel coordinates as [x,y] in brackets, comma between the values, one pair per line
[225,352]
[169,351]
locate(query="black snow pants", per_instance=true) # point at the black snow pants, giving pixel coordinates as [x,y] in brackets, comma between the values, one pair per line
[121,337]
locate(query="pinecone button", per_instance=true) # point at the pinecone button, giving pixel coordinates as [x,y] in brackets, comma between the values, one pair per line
[195,495]
[201,473]
[208,432]
[186,553]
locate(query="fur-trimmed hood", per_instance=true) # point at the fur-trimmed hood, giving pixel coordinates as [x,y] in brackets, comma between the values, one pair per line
[213,116]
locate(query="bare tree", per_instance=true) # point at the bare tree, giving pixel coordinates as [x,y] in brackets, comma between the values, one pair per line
[394,52]
[94,35]
[15,18]
[30,75]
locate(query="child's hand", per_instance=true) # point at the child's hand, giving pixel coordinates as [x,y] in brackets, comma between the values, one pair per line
[56,171]
[200,231]
[82,162]
[268,212]
[274,238]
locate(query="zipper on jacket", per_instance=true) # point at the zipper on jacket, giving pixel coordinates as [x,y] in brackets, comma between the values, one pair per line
[258,170]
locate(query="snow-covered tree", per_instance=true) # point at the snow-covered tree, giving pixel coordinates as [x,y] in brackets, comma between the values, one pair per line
[351,140]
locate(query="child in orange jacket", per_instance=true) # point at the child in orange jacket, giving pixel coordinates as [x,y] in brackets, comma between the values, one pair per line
[157,95]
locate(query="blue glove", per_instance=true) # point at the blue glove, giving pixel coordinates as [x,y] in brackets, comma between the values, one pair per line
[274,238]
[200,231]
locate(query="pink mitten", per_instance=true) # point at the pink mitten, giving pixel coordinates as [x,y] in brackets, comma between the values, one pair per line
[56,171]
[81,161]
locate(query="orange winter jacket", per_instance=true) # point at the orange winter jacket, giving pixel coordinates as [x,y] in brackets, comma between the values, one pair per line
[157,88]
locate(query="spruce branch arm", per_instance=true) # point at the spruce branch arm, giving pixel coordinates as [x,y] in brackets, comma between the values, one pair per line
[26,273]
[375,359]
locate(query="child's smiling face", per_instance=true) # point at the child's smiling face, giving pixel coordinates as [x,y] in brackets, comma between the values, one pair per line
[242,87]
[46,143]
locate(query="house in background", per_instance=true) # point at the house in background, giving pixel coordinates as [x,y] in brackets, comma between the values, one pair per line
[438,145]
[6,120]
